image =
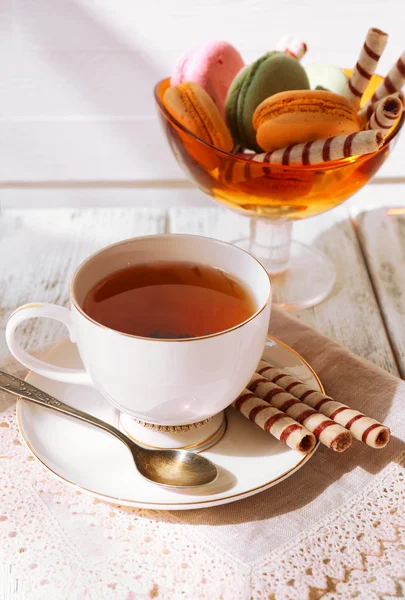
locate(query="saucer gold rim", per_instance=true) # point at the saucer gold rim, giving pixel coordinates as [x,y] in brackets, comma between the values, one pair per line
[163,505]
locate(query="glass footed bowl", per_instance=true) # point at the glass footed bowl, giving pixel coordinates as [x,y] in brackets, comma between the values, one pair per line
[275,196]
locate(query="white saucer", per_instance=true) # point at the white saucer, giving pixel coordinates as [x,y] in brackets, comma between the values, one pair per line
[249,460]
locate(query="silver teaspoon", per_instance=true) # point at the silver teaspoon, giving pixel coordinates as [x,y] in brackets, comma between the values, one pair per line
[170,468]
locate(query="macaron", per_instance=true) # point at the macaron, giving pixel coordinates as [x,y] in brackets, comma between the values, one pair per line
[296,117]
[213,65]
[328,77]
[272,73]
[194,109]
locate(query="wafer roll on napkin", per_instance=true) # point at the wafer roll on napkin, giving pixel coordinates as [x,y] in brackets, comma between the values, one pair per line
[275,422]
[371,51]
[328,432]
[363,428]
[385,112]
[321,151]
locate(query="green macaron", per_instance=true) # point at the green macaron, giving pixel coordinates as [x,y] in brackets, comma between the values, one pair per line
[272,73]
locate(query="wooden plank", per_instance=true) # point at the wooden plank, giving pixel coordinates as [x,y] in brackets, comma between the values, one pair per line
[165,194]
[382,236]
[40,250]
[98,194]
[108,149]
[351,314]
[86,84]
[212,221]
[100,150]
[101,25]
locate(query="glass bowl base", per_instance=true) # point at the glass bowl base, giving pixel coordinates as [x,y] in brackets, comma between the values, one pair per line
[304,281]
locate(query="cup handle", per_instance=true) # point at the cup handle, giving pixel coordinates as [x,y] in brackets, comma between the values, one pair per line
[50,311]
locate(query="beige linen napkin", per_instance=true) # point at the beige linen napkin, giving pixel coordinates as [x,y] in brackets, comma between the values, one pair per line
[252,527]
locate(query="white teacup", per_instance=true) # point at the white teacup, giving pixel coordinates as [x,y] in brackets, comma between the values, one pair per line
[164,382]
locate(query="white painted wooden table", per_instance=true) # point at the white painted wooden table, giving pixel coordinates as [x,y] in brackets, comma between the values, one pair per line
[40,249]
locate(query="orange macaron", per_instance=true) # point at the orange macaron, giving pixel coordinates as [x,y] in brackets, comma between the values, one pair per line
[300,116]
[194,109]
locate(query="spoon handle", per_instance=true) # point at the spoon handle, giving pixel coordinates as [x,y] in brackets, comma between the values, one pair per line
[23,389]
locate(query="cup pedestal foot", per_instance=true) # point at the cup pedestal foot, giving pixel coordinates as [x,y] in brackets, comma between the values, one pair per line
[195,436]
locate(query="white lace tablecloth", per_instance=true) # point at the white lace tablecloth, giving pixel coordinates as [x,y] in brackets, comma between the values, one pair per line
[332,530]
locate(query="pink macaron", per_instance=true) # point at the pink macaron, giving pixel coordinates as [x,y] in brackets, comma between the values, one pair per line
[213,65]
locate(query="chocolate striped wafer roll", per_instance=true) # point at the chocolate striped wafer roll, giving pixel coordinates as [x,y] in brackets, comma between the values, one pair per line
[292,46]
[386,112]
[325,430]
[363,428]
[393,82]
[368,109]
[321,151]
[373,47]
[274,422]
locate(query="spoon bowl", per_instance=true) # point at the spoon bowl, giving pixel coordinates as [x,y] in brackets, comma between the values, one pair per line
[169,468]
[174,468]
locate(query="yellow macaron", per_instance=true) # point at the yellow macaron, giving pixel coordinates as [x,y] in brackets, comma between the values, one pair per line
[300,116]
[194,109]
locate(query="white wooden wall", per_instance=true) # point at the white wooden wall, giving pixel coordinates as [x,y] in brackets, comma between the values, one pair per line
[76,80]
